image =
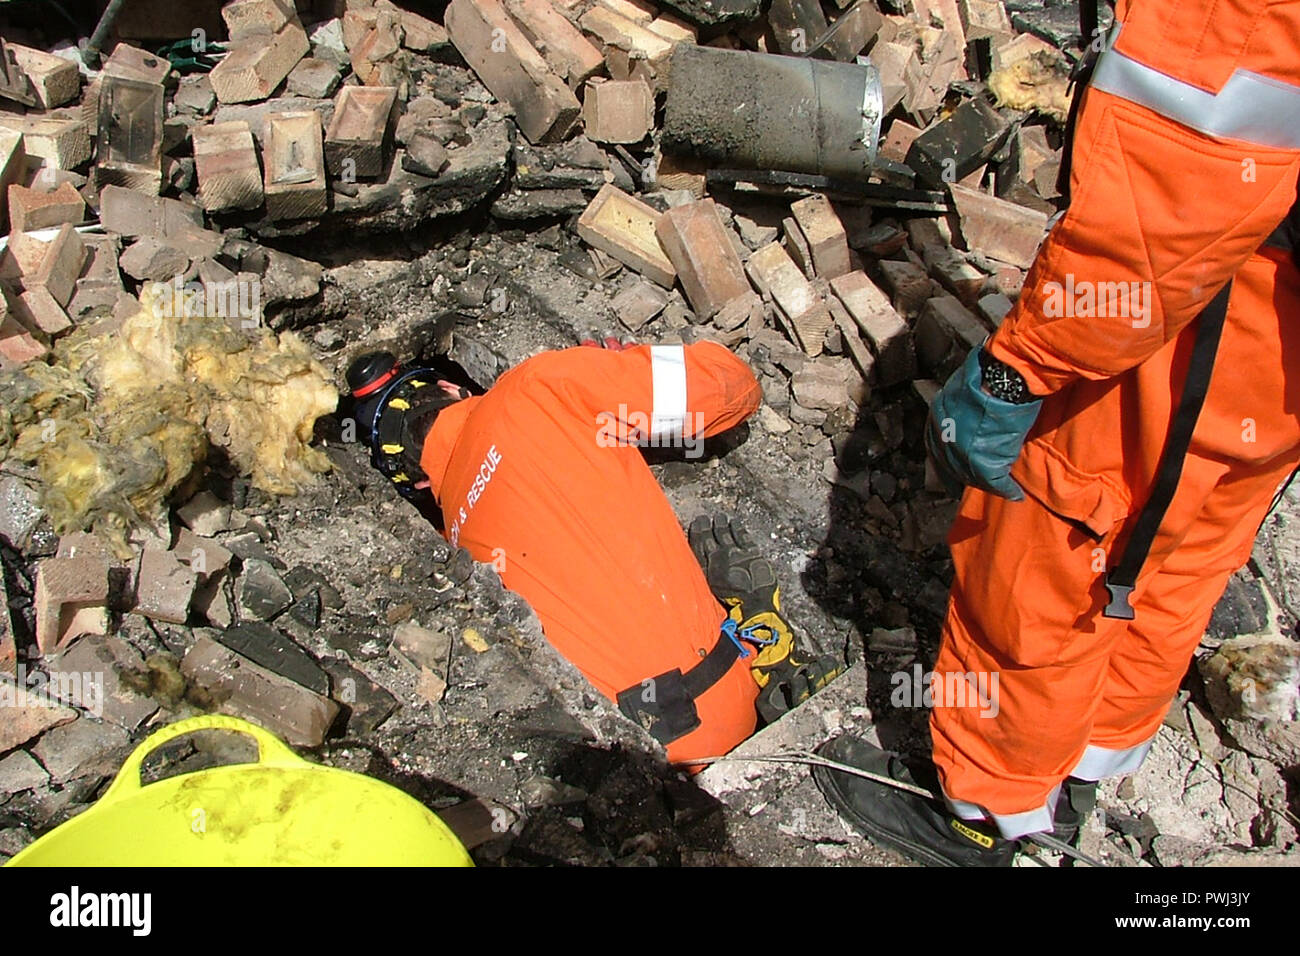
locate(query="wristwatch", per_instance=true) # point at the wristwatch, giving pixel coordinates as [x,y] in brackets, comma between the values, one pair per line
[1002,381]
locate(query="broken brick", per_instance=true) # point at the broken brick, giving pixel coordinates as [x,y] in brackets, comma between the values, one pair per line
[956,146]
[819,386]
[826,237]
[999,229]
[130,134]
[37,309]
[129,213]
[562,45]
[617,111]
[703,255]
[27,715]
[638,304]
[359,137]
[248,690]
[945,331]
[908,284]
[616,30]
[70,599]
[30,209]
[60,266]
[420,33]
[804,309]
[954,273]
[247,18]
[792,238]
[624,227]
[898,140]
[852,31]
[13,166]
[58,141]
[314,78]
[163,586]
[54,80]
[133,63]
[17,343]
[796,24]
[225,160]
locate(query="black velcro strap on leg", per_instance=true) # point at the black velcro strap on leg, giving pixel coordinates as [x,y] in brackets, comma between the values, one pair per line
[664,705]
[1121,581]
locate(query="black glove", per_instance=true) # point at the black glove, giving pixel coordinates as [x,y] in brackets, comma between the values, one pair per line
[745,583]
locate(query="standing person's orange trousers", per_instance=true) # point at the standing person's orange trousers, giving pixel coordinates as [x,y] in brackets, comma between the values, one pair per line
[1180,172]
[1080,694]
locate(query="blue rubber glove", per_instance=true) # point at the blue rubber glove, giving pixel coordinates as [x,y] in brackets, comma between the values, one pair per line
[974,438]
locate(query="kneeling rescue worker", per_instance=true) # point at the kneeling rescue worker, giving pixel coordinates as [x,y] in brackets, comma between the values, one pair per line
[1118,465]
[542,477]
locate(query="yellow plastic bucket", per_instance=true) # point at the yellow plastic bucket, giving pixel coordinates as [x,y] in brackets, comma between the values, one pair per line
[279,811]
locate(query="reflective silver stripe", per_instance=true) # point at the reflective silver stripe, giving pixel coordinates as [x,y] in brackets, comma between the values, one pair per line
[1098,762]
[668,369]
[1250,106]
[1011,825]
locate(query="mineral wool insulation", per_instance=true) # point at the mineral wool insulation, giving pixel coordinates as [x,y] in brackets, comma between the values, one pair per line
[120,419]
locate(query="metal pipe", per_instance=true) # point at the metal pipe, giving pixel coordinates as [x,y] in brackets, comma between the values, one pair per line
[763,111]
[96,41]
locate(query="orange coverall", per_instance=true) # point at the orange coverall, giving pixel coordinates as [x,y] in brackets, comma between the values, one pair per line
[1185,160]
[539,477]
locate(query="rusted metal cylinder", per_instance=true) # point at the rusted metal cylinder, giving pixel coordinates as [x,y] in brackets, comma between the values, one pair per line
[762,111]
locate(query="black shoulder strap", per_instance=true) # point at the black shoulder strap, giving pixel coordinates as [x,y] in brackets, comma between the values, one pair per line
[1080,76]
[1121,581]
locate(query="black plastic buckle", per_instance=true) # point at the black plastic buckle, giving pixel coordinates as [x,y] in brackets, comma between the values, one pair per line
[1119,606]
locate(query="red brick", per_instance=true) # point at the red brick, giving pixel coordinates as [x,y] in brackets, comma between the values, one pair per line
[884,328]
[617,111]
[545,108]
[827,240]
[703,255]
[66,587]
[31,209]
[999,229]
[562,45]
